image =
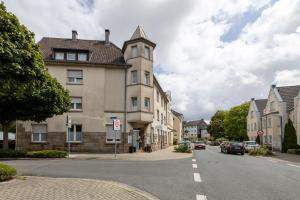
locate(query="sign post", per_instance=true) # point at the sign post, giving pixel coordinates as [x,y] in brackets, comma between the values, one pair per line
[69,124]
[116,127]
[260,133]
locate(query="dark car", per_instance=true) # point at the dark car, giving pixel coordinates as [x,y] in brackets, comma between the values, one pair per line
[199,145]
[233,147]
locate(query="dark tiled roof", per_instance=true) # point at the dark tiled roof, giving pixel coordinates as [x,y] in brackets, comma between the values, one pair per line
[288,93]
[139,33]
[261,104]
[99,52]
[201,123]
[176,113]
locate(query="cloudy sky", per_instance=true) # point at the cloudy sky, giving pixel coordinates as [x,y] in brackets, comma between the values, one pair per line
[210,54]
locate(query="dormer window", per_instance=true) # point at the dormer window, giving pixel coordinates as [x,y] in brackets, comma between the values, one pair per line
[71,56]
[147,52]
[59,55]
[82,56]
[134,51]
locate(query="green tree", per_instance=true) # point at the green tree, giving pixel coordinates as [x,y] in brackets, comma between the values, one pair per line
[216,126]
[235,122]
[290,137]
[27,91]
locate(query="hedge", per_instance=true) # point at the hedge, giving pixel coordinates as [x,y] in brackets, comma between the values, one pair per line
[32,154]
[261,151]
[6,172]
[183,149]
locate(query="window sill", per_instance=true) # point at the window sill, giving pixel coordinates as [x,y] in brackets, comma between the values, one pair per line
[76,110]
[74,142]
[112,142]
[39,142]
[70,83]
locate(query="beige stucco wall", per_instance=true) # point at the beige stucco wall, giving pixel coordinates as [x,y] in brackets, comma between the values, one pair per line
[253,122]
[297,117]
[177,125]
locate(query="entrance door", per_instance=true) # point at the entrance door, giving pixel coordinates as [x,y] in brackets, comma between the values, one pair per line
[135,138]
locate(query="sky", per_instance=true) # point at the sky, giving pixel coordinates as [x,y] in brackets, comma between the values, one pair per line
[211,55]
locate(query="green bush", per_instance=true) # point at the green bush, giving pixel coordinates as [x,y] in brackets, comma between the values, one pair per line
[261,151]
[12,153]
[293,151]
[47,154]
[6,172]
[174,141]
[290,137]
[183,149]
[221,139]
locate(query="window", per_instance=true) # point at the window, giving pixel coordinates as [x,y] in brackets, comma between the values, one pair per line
[76,103]
[162,102]
[252,114]
[147,103]
[134,76]
[134,103]
[147,78]
[134,51]
[147,52]
[82,56]
[111,134]
[39,133]
[75,76]
[75,133]
[59,55]
[272,106]
[71,56]
[152,137]
[157,112]
[165,121]
[269,123]
[157,96]
[255,127]
[251,127]
[162,118]
[270,139]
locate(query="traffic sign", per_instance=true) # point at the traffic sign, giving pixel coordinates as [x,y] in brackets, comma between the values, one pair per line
[260,132]
[117,124]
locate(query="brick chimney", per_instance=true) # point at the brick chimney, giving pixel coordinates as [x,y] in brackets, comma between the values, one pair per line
[107,33]
[74,35]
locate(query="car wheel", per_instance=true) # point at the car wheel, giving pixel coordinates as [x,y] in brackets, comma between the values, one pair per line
[242,153]
[228,152]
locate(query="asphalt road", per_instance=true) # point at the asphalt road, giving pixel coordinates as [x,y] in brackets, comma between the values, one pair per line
[222,176]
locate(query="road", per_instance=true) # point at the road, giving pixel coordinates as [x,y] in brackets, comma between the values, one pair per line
[217,176]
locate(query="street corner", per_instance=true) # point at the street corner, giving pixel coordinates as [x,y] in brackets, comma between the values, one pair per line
[44,188]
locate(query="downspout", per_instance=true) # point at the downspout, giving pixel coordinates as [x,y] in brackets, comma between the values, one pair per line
[125,111]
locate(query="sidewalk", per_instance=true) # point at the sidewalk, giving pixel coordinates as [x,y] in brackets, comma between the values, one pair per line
[287,157]
[164,154]
[42,188]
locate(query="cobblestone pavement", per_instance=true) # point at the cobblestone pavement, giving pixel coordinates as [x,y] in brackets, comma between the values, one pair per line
[42,188]
[164,154]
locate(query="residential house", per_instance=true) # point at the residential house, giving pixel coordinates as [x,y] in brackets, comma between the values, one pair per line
[195,128]
[254,118]
[104,82]
[177,125]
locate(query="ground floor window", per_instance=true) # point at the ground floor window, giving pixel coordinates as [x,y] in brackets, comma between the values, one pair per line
[110,134]
[75,133]
[39,133]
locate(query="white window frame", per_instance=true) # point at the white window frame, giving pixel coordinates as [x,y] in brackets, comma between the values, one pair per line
[69,54]
[77,79]
[74,134]
[40,134]
[110,137]
[134,76]
[59,53]
[147,52]
[147,107]
[76,104]
[82,54]
[134,107]
[134,51]
[147,77]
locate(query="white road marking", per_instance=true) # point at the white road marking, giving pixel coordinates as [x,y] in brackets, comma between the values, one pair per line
[195,166]
[197,177]
[194,160]
[201,197]
[294,165]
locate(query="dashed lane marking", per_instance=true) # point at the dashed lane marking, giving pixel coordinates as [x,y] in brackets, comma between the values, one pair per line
[194,160]
[294,165]
[201,197]
[195,166]
[197,177]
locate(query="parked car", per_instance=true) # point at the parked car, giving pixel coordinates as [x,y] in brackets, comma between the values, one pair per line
[199,145]
[233,147]
[250,145]
[223,146]
[215,143]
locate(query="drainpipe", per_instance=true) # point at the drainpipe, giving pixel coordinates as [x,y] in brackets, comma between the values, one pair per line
[125,110]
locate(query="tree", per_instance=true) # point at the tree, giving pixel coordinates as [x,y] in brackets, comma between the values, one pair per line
[216,126]
[290,137]
[27,91]
[235,122]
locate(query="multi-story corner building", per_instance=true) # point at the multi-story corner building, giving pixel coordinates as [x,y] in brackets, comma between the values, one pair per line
[196,128]
[104,81]
[279,108]
[177,125]
[254,118]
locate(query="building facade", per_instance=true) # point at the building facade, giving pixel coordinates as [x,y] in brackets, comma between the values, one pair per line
[195,128]
[177,125]
[254,118]
[104,82]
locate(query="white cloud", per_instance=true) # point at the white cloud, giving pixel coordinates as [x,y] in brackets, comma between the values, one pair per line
[203,72]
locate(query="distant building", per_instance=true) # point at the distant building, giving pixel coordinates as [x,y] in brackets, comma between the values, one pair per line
[196,128]
[177,125]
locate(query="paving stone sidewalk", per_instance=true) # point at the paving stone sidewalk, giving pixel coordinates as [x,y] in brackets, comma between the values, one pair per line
[42,188]
[164,154]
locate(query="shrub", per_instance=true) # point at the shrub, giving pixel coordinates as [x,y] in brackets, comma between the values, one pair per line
[174,141]
[12,153]
[290,137]
[47,154]
[293,151]
[183,149]
[261,151]
[6,172]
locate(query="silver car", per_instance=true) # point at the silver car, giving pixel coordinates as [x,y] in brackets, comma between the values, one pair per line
[250,145]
